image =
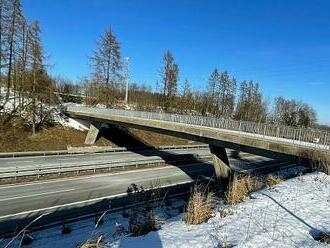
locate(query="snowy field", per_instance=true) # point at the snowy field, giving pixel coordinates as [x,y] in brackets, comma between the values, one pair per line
[285,215]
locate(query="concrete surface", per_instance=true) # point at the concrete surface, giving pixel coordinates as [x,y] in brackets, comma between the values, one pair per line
[256,144]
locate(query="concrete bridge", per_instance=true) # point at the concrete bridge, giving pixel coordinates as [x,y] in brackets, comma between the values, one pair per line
[279,142]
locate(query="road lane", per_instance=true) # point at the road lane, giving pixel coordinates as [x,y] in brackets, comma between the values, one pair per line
[96,157]
[87,188]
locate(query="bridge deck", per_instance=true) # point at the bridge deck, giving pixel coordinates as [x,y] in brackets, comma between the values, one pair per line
[250,137]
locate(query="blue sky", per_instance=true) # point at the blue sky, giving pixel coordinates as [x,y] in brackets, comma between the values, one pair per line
[284,45]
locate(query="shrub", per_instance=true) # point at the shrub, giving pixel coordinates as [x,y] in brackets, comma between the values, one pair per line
[200,206]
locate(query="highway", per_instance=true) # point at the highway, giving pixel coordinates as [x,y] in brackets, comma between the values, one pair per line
[37,166]
[27,197]
[26,201]
[95,158]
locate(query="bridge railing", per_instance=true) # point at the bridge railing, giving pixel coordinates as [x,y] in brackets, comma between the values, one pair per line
[298,136]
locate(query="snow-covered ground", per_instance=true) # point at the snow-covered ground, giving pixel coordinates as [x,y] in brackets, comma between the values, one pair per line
[55,111]
[285,215]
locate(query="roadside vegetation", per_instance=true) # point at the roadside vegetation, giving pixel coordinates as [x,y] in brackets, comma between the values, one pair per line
[94,243]
[200,206]
[319,160]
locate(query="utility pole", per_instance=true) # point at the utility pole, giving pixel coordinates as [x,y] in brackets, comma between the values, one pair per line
[127,79]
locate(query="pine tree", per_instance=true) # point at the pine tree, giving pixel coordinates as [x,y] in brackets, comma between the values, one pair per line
[251,106]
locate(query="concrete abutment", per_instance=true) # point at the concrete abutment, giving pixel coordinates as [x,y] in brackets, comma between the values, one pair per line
[93,133]
[221,164]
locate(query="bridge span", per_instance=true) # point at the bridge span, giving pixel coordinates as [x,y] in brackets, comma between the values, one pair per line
[279,142]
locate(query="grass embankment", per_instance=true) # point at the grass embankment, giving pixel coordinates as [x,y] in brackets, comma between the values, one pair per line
[14,139]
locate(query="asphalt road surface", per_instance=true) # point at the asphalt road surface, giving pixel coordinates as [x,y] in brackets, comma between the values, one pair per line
[28,197]
[32,199]
[96,157]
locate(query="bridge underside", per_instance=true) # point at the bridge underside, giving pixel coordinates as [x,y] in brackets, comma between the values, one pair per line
[275,150]
[217,146]
[219,154]
[217,139]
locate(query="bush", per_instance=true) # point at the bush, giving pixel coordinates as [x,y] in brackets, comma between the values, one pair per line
[200,206]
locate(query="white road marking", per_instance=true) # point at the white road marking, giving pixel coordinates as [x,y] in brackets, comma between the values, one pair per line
[27,196]
[64,159]
[24,161]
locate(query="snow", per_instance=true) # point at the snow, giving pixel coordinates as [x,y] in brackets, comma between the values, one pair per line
[65,121]
[285,215]
[55,110]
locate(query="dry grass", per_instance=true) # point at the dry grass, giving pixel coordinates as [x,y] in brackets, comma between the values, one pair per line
[53,138]
[319,161]
[239,188]
[94,243]
[272,180]
[224,212]
[16,139]
[200,206]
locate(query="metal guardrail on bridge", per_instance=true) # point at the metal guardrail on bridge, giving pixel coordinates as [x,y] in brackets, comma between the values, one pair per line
[297,136]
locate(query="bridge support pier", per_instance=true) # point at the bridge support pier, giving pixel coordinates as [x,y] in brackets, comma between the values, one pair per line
[93,132]
[221,164]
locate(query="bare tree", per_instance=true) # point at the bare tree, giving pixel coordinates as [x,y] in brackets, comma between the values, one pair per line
[187,97]
[251,106]
[213,85]
[226,94]
[170,77]
[14,25]
[107,59]
[293,113]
